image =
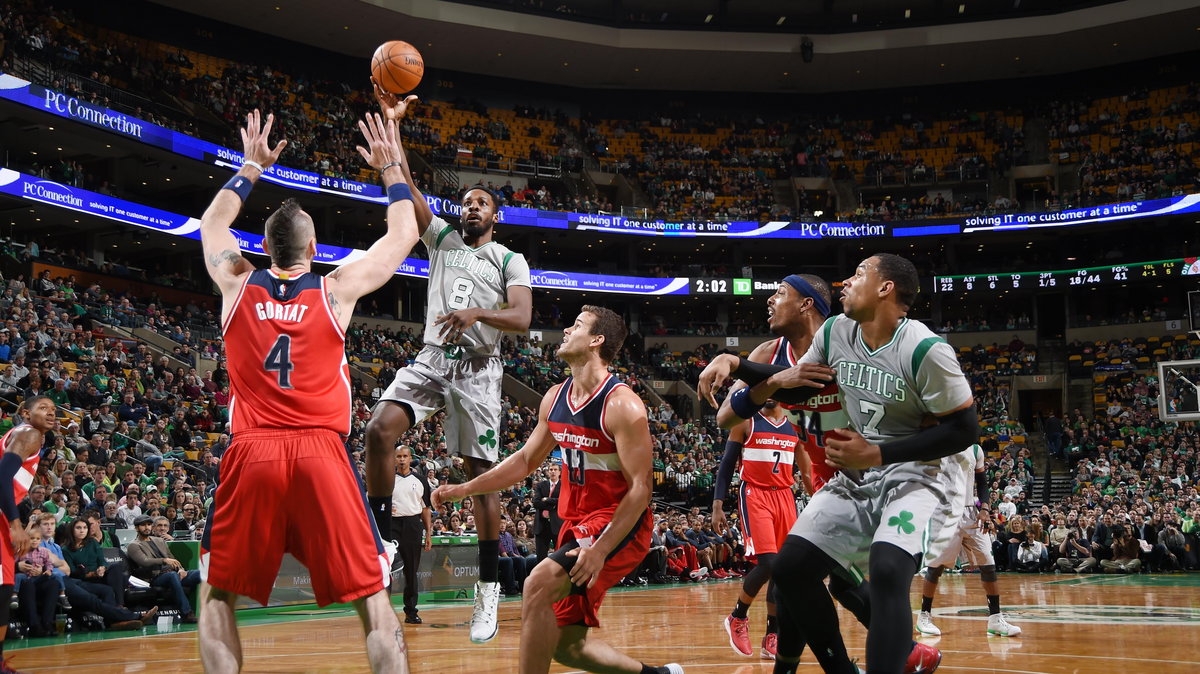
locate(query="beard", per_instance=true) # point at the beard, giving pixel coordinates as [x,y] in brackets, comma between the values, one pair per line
[474,230]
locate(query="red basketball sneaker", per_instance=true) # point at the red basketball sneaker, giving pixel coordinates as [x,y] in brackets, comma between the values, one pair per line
[739,635]
[923,659]
[770,646]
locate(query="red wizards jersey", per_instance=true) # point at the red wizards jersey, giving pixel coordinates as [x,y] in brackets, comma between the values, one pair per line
[286,355]
[769,453]
[813,419]
[24,477]
[592,479]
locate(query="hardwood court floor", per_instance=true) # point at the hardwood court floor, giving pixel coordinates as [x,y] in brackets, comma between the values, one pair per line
[1071,624]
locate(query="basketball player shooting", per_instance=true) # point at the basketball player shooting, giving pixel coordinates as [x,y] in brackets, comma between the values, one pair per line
[478,289]
[284,330]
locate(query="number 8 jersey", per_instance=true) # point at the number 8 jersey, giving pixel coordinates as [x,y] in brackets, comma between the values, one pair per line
[461,277]
[286,355]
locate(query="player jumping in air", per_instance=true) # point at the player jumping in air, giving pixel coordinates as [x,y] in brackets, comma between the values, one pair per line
[478,289]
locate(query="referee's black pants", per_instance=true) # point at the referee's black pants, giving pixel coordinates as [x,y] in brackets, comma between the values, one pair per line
[408,532]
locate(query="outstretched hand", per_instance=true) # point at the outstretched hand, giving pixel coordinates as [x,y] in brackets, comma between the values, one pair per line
[255,146]
[383,148]
[391,105]
[714,375]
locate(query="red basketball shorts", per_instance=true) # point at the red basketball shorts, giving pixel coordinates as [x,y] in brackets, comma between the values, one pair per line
[580,606]
[767,516]
[291,491]
[8,556]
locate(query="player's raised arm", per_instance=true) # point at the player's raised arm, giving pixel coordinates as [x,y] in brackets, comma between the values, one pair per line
[222,256]
[393,109]
[369,272]
[512,470]
[625,419]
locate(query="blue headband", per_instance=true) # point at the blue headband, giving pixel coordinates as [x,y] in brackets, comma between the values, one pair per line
[806,288]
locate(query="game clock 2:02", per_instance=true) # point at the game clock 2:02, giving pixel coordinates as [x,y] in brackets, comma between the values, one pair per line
[712,286]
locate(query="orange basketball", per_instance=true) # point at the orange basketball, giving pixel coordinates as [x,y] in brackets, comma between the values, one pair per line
[397,66]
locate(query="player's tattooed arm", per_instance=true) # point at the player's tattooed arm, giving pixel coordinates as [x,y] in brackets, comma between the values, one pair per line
[334,305]
[227,256]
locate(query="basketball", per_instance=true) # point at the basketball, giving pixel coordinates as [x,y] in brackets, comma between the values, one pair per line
[397,66]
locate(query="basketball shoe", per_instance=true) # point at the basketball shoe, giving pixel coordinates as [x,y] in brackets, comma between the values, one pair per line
[924,659]
[925,625]
[483,617]
[999,625]
[770,646]
[738,630]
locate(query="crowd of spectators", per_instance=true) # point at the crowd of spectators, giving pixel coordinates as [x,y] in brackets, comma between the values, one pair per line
[691,167]
[1133,147]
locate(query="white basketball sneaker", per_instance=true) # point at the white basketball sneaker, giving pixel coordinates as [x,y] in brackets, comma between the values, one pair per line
[999,625]
[925,625]
[389,549]
[483,618]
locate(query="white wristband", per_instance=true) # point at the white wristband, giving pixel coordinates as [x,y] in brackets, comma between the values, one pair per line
[255,165]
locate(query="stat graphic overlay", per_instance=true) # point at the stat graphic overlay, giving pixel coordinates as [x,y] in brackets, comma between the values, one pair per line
[1067,278]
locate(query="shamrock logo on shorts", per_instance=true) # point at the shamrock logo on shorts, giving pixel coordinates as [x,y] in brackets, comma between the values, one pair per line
[902,522]
[489,440]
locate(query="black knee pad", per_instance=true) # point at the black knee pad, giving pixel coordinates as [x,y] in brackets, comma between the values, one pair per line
[987,573]
[799,557]
[854,596]
[759,575]
[934,572]
[891,566]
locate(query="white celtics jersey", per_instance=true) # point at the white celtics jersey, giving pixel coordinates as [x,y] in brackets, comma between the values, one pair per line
[460,277]
[889,390]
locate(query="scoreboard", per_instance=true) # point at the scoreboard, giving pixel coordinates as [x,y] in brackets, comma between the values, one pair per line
[1067,278]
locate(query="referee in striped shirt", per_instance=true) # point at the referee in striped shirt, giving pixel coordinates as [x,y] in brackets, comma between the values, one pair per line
[410,510]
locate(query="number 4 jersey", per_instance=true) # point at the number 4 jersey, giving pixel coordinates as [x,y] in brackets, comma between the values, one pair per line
[461,277]
[286,354]
[592,480]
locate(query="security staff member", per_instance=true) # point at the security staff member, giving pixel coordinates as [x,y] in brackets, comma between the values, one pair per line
[410,509]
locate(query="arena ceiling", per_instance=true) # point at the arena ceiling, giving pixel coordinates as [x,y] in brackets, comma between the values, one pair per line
[930,47]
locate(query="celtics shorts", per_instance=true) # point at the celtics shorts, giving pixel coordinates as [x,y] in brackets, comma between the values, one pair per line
[892,506]
[468,388]
[972,544]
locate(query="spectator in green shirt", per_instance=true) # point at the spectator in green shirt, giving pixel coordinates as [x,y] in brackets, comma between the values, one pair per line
[59,394]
